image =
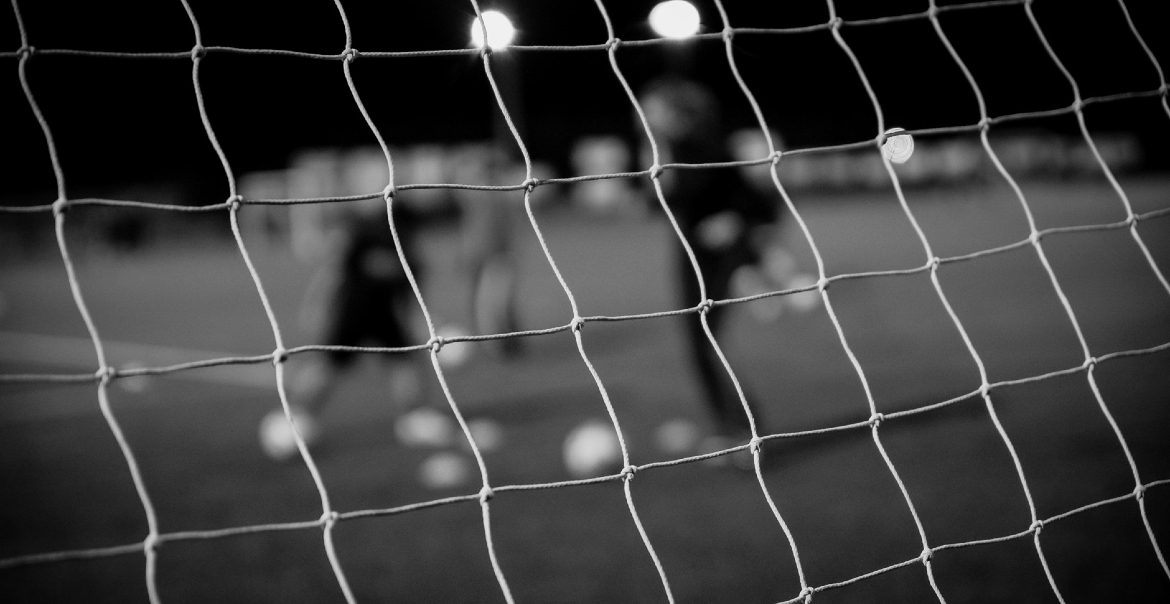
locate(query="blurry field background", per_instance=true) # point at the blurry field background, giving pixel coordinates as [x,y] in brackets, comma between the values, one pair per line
[130,129]
[66,485]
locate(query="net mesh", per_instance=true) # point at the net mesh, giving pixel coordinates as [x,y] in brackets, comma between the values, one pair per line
[106,374]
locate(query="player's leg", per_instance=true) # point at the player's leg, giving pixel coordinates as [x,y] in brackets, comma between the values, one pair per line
[313,384]
[720,394]
[489,266]
[494,300]
[312,387]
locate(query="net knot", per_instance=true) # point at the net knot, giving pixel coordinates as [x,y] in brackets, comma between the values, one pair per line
[485,51]
[776,155]
[705,306]
[932,12]
[934,263]
[198,52]
[1078,104]
[755,445]
[728,33]
[876,420]
[925,556]
[436,343]
[486,494]
[531,184]
[60,206]
[279,355]
[349,55]
[805,595]
[1161,89]
[389,192]
[106,374]
[27,51]
[150,543]
[836,22]
[1037,526]
[1089,363]
[576,324]
[1034,238]
[822,284]
[984,388]
[1139,492]
[328,519]
[655,172]
[1131,220]
[234,202]
[612,43]
[984,123]
[629,471]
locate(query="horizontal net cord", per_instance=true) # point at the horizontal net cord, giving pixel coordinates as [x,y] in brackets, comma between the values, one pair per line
[992,386]
[354,53]
[195,535]
[114,373]
[1105,358]
[1161,92]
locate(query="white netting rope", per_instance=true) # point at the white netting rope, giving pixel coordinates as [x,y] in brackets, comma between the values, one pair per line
[329,517]
[280,354]
[1090,361]
[104,372]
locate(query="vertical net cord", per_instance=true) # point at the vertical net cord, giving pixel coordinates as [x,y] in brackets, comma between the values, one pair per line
[106,373]
[1036,524]
[280,354]
[1163,89]
[1149,53]
[577,322]
[805,590]
[1090,362]
[436,342]
[876,418]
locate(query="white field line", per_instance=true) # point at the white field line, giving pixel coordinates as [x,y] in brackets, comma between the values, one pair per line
[78,354]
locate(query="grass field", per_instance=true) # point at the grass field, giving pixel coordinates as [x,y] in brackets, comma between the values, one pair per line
[66,486]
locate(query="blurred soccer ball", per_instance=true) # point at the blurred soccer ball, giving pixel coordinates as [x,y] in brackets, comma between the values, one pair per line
[677,437]
[806,300]
[487,433]
[444,470]
[276,434]
[750,281]
[425,427]
[133,383]
[899,147]
[591,449]
[454,354]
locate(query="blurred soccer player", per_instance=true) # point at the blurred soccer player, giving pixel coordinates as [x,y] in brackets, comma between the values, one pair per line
[488,221]
[359,295]
[726,222]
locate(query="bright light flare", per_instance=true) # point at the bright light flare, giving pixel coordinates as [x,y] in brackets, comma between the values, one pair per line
[499,30]
[675,19]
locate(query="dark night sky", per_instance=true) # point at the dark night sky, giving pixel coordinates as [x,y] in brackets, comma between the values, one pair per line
[123,121]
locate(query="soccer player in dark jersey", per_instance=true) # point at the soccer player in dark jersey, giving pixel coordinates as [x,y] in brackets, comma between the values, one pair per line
[724,219]
[360,296]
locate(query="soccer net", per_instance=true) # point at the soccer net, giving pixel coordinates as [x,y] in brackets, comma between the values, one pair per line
[770,160]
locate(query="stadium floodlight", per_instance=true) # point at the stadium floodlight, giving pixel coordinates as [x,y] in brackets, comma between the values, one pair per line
[675,19]
[499,30]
